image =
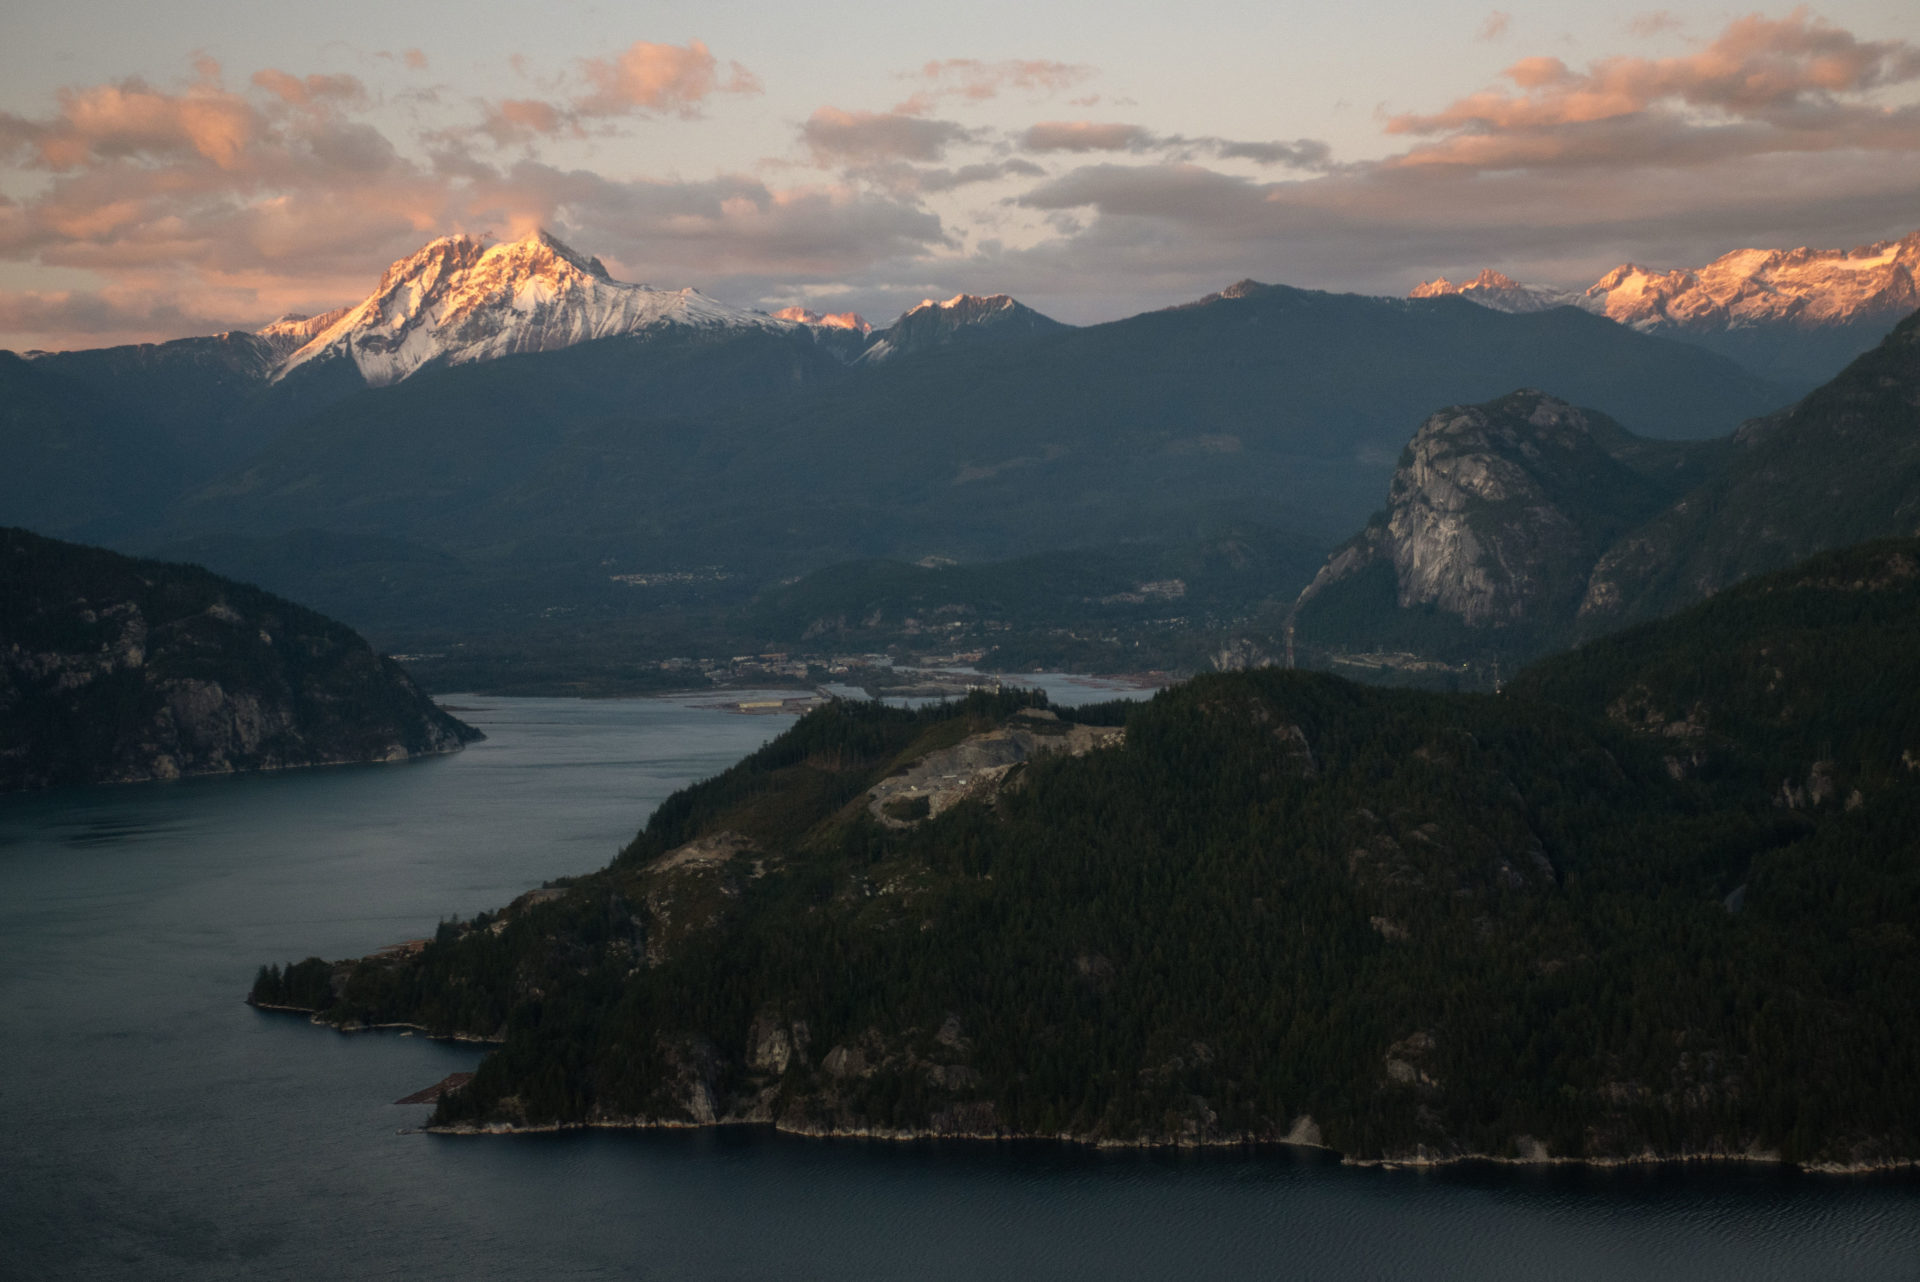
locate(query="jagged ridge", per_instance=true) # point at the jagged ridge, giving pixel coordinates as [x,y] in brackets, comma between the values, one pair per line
[459,300]
[1806,288]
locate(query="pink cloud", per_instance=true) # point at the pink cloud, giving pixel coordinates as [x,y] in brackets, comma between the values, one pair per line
[1496,25]
[1790,80]
[312,90]
[199,205]
[643,79]
[132,119]
[659,78]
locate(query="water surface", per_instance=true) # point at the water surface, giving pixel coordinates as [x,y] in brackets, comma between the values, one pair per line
[158,1128]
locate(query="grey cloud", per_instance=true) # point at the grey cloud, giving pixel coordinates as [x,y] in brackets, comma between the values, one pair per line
[837,137]
[1080,136]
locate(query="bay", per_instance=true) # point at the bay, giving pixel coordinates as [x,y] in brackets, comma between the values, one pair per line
[156,1127]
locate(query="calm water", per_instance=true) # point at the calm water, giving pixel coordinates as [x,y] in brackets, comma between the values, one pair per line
[155,1127]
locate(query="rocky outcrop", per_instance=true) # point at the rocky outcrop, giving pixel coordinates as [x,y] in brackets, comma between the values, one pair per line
[980,765]
[114,670]
[1494,519]
[1524,525]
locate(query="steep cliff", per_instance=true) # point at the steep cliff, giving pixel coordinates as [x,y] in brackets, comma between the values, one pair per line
[114,670]
[1523,525]
[1494,519]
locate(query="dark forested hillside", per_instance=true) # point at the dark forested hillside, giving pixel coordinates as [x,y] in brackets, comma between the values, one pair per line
[1619,911]
[114,670]
[1512,530]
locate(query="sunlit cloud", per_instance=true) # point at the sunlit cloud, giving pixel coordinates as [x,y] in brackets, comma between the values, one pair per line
[1796,84]
[644,79]
[139,209]
[660,78]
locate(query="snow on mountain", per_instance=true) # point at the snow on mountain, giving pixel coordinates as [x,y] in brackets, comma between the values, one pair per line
[460,300]
[1798,288]
[293,331]
[962,317]
[1806,288]
[1500,292]
[828,320]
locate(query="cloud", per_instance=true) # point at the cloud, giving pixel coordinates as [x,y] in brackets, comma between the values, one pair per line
[1495,27]
[103,317]
[837,137]
[659,78]
[977,81]
[1796,84]
[310,91]
[908,180]
[1086,136]
[161,210]
[130,119]
[1653,22]
[643,79]
[1131,236]
[193,205]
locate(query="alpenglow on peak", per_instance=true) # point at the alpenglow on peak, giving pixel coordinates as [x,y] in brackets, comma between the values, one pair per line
[459,299]
[1803,288]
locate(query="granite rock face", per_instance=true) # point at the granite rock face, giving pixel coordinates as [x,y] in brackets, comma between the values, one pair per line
[114,670]
[1495,517]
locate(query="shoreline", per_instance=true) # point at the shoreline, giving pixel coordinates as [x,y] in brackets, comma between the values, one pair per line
[313,1017]
[1418,1161]
[1886,1166]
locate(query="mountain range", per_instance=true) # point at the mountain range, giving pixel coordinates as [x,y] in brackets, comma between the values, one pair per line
[1524,524]
[504,437]
[1797,313]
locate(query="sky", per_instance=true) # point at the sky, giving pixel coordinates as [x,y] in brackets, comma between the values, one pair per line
[175,168]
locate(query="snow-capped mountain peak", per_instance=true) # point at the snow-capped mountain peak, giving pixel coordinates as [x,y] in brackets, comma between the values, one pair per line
[1497,290]
[459,299]
[1802,288]
[966,306]
[825,320]
[962,318]
[294,330]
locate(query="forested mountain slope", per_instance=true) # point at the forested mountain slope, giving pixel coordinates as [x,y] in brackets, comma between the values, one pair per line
[114,670]
[1618,912]
[1524,524]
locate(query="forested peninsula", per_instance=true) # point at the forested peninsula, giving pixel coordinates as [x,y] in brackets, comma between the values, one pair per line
[1657,900]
